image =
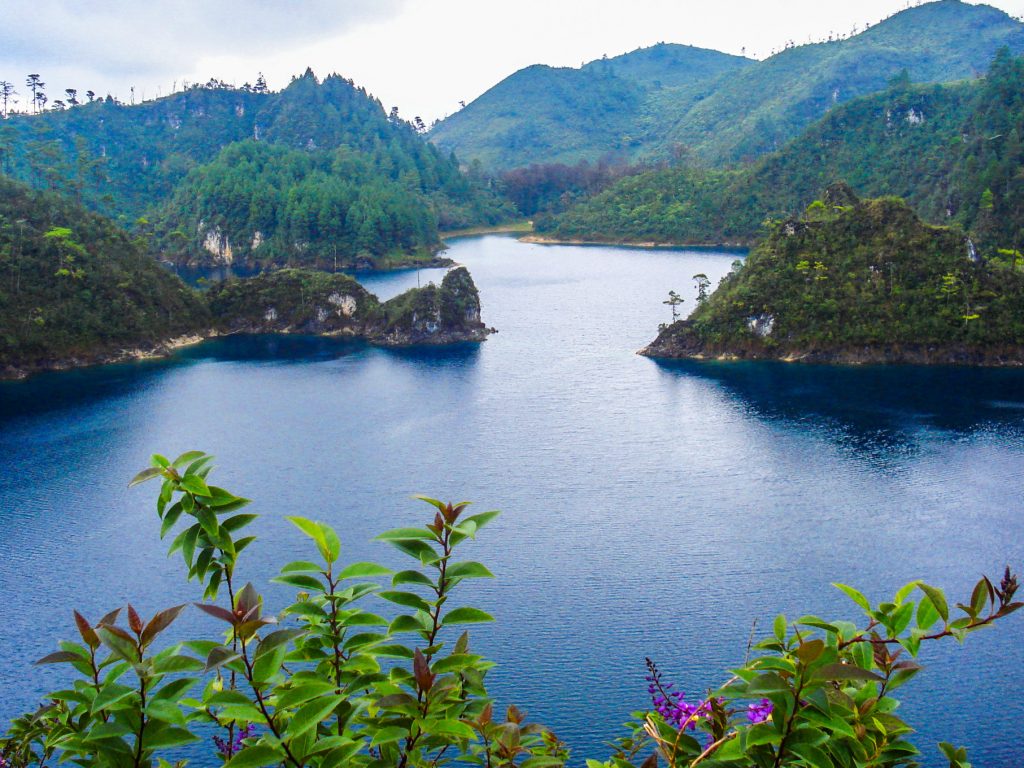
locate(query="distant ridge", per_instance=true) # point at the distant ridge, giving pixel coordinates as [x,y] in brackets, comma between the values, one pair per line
[720,109]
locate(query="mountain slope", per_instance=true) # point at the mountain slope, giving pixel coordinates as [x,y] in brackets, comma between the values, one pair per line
[759,108]
[651,104]
[545,114]
[954,152]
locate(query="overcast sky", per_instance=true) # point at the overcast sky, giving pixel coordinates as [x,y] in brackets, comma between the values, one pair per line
[422,55]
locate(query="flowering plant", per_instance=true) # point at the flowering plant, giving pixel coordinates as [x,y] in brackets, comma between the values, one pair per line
[816,693]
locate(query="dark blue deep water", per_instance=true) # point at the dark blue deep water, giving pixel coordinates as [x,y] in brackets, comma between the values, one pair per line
[649,509]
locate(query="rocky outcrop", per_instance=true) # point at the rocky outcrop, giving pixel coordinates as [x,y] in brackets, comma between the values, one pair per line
[309,302]
[444,314]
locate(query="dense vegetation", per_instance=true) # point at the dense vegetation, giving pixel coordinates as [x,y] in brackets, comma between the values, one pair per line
[75,286]
[953,152]
[859,281]
[371,668]
[671,101]
[186,163]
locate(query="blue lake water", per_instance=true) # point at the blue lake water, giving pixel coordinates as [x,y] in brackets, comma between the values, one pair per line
[649,509]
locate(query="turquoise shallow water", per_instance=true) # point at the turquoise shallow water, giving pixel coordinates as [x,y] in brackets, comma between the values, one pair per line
[649,509]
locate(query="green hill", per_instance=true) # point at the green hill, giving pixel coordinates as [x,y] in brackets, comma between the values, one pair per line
[149,160]
[717,110]
[953,152]
[75,288]
[545,114]
[859,282]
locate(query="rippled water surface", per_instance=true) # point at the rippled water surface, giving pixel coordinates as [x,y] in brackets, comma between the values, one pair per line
[649,509]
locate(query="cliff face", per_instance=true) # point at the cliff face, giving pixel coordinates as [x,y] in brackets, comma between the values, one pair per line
[859,281]
[303,301]
[443,314]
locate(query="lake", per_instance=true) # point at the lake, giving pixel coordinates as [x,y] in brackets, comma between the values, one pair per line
[649,509]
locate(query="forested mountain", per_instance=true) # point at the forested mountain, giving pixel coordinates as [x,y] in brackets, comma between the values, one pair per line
[954,152]
[729,109]
[612,106]
[75,286]
[858,281]
[149,160]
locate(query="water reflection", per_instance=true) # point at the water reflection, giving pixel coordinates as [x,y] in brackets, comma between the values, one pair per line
[870,408]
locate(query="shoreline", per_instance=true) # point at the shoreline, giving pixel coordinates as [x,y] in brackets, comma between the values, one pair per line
[129,355]
[948,357]
[650,244]
[517,227]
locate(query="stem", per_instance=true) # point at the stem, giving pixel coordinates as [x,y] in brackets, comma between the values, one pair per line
[263,708]
[439,590]
[712,747]
[862,638]
[339,654]
[142,721]
[789,723]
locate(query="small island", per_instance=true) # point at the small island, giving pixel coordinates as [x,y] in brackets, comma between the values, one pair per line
[858,281]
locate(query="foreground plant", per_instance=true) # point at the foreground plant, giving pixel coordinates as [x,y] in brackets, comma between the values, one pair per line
[818,693]
[325,681]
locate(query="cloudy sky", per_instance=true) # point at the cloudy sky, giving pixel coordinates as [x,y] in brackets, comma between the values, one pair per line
[422,55]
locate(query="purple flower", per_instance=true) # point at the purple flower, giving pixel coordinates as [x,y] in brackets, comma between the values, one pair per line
[227,749]
[672,705]
[759,712]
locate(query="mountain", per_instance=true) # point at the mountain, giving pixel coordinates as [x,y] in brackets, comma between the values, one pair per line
[761,107]
[952,151]
[858,281]
[147,160]
[76,288]
[545,114]
[713,109]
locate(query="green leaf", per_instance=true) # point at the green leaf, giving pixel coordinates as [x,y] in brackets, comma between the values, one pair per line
[468,570]
[256,756]
[169,737]
[926,613]
[454,728]
[937,599]
[779,627]
[60,657]
[187,458]
[813,756]
[467,616]
[194,484]
[408,599]
[388,734]
[311,713]
[147,474]
[846,672]
[854,595]
[411,577]
[406,534]
[364,570]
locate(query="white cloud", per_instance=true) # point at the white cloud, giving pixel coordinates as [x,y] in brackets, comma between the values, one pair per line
[423,55]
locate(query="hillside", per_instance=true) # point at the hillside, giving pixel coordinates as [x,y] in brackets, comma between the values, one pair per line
[132,161]
[731,109]
[858,281]
[953,152]
[75,288]
[545,114]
